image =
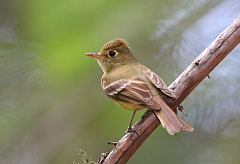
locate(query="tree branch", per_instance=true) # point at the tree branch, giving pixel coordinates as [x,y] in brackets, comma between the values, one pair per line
[182,87]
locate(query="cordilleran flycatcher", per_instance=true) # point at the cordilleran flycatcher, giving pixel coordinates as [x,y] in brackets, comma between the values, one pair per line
[134,86]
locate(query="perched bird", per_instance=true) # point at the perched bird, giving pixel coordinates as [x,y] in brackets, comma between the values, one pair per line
[134,86]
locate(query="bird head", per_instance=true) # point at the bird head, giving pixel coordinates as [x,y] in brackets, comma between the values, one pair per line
[113,54]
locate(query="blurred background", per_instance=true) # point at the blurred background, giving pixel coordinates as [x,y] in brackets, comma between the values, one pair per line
[51,102]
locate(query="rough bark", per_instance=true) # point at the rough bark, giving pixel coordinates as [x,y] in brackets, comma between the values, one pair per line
[182,87]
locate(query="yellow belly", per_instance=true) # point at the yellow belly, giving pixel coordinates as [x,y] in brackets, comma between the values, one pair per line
[129,106]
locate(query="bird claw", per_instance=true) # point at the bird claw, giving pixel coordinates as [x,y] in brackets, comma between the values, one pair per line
[130,130]
[180,108]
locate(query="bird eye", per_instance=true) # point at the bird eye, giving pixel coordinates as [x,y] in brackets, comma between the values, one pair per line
[112,53]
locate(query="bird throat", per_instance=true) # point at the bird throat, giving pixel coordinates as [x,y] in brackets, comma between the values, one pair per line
[105,66]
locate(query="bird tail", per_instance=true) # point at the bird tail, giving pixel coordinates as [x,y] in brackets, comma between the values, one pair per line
[170,120]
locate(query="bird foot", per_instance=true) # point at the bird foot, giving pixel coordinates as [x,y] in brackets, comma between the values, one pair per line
[130,130]
[180,108]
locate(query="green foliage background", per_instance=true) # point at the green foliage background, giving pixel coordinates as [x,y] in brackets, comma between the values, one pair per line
[51,102]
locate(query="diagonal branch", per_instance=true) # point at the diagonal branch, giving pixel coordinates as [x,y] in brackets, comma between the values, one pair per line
[182,87]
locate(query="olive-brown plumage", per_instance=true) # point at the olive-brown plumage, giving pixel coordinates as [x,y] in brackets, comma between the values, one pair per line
[134,86]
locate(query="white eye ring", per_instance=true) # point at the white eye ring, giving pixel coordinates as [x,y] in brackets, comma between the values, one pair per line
[112,53]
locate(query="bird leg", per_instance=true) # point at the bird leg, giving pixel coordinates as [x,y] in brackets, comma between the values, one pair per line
[130,129]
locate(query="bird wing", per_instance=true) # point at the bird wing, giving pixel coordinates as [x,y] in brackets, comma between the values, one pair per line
[134,91]
[159,83]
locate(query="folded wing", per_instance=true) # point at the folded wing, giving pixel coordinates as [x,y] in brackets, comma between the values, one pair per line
[158,83]
[133,91]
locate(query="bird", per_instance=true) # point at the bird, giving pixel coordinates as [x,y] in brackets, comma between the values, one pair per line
[134,86]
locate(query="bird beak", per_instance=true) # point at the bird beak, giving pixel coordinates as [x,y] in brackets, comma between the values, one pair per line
[95,55]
